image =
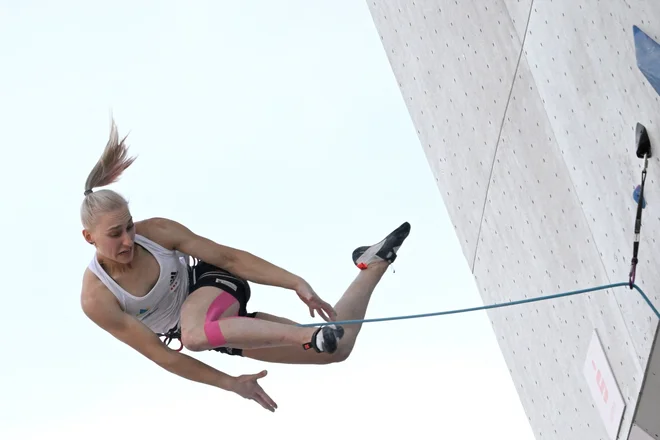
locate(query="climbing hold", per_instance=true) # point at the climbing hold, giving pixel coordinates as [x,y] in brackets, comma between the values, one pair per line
[643,141]
[647,52]
[636,193]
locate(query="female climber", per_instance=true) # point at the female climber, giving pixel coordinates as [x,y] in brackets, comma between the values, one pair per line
[155,278]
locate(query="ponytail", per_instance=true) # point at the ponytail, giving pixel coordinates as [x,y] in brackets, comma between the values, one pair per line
[107,170]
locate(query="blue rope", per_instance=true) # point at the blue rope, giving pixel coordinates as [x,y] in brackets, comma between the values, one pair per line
[493,306]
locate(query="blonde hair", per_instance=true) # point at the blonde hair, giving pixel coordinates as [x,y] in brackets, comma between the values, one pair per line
[107,170]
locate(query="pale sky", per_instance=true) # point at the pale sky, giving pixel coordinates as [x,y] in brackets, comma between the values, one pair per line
[274,127]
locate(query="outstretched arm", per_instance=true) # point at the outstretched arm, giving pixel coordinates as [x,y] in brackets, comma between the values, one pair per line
[102,308]
[236,261]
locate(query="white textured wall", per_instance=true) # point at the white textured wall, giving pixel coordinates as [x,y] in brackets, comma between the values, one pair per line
[527,112]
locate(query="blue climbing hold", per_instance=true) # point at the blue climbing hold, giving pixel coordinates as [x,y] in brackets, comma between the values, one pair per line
[636,196]
[647,51]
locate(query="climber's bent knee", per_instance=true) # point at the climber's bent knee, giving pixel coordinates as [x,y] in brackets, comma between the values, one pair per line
[215,294]
[215,311]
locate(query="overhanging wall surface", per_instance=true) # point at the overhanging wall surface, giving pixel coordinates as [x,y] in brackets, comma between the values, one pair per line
[452,105]
[556,124]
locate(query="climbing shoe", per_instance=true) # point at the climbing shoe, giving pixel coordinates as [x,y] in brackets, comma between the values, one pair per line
[385,250]
[325,339]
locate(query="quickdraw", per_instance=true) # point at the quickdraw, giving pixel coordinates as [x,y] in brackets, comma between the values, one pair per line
[643,152]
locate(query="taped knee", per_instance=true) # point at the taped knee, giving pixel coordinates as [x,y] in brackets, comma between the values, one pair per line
[214,334]
[212,328]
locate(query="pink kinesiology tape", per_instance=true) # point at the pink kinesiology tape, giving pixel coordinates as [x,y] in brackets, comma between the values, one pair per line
[211,324]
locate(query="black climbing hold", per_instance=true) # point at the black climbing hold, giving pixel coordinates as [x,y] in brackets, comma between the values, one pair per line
[647,52]
[643,142]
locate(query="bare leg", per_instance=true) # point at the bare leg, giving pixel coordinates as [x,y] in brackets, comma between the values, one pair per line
[274,339]
[351,306]
[354,302]
[238,332]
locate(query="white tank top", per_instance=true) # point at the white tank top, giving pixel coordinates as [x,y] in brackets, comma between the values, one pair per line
[160,308]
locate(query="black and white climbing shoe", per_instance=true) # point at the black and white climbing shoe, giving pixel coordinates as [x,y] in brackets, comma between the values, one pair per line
[385,250]
[326,339]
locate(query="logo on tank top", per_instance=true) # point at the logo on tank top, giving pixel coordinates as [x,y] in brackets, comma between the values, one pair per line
[144,313]
[174,281]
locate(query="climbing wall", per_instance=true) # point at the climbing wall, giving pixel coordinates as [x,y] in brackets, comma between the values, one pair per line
[526,111]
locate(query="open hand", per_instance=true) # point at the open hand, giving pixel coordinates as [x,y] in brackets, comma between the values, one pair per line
[309,297]
[246,386]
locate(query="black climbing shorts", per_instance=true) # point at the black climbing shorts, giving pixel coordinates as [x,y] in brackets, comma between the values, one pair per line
[205,274]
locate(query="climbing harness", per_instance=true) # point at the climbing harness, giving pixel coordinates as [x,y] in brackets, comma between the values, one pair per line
[174,333]
[643,152]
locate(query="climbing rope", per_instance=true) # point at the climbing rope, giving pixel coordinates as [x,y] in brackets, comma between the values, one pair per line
[493,306]
[643,151]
